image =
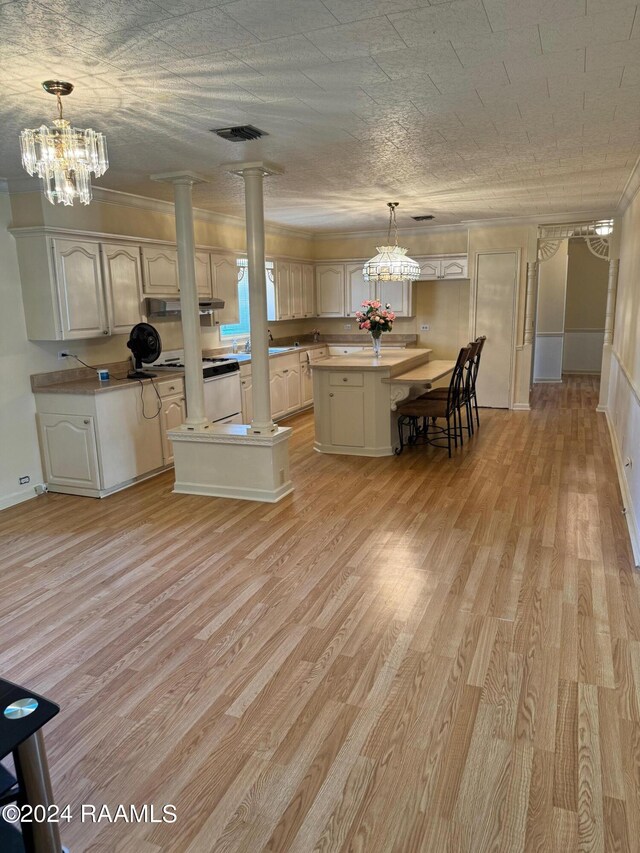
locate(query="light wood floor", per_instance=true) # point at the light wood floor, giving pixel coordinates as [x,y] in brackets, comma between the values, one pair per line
[409,654]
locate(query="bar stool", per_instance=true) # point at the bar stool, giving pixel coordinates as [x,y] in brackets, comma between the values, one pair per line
[473,400]
[430,409]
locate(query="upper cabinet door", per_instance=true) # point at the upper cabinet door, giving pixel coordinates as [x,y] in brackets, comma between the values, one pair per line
[160,265]
[224,277]
[430,268]
[282,274]
[308,291]
[330,288]
[123,286]
[80,289]
[454,268]
[397,294]
[203,276]
[358,290]
[295,291]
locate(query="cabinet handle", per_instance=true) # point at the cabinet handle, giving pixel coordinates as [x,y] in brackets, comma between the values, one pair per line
[105,331]
[344,378]
[286,371]
[331,395]
[172,388]
[86,421]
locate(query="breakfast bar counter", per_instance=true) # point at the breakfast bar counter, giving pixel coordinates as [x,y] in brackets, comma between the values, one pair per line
[355,399]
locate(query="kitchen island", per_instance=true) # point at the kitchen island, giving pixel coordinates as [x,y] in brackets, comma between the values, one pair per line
[355,397]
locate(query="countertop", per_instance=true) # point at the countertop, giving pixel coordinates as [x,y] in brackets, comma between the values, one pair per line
[394,361]
[92,385]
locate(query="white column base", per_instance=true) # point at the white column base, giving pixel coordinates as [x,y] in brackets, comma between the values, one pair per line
[227,461]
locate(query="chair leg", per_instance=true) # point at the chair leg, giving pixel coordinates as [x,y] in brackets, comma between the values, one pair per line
[401,435]
[475,402]
[449,433]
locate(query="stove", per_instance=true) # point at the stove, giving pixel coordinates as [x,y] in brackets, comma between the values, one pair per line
[221,377]
[211,366]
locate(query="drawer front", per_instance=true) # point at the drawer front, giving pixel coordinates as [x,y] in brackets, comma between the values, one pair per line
[245,368]
[346,379]
[169,387]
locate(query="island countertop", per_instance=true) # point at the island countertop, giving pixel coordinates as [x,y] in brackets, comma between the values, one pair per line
[392,361]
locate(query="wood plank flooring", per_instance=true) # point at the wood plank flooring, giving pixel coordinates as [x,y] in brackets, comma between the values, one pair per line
[407,654]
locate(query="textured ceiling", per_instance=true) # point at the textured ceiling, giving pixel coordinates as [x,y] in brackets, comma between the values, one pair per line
[466,109]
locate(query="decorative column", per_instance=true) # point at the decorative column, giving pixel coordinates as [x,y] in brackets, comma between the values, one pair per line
[254,174]
[612,289]
[194,390]
[609,323]
[529,311]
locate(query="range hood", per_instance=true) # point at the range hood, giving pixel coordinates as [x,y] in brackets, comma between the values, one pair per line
[172,308]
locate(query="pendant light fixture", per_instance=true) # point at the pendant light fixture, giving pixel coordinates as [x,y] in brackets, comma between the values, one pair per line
[391,263]
[64,157]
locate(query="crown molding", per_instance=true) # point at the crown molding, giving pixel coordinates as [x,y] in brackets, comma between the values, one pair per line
[107,196]
[630,189]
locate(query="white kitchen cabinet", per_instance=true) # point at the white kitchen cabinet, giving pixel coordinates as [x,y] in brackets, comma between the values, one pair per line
[122,272]
[443,267]
[397,294]
[246,387]
[296,294]
[172,415]
[278,391]
[357,289]
[284,373]
[203,276]
[224,277]
[306,384]
[80,289]
[308,291]
[330,290]
[160,271]
[96,444]
[347,416]
[69,454]
[282,278]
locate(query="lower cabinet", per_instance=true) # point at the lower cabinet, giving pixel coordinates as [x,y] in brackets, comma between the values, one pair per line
[284,373]
[95,444]
[246,389]
[306,384]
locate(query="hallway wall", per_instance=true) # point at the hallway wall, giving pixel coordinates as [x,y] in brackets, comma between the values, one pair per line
[587,278]
[623,406]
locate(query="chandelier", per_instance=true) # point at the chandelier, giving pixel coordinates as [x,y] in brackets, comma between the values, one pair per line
[391,263]
[62,156]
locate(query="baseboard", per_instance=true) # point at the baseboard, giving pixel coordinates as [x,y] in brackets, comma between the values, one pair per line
[521,407]
[235,492]
[17,498]
[630,515]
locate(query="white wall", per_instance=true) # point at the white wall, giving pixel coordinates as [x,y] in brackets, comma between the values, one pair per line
[623,405]
[19,454]
[552,289]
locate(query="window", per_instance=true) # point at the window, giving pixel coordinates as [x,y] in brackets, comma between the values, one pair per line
[241,329]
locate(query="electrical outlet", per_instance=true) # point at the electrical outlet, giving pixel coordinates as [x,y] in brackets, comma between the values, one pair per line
[24,480]
[41,489]
[425,327]
[62,355]
[347,327]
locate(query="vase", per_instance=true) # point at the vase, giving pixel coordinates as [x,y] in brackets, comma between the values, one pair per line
[376,340]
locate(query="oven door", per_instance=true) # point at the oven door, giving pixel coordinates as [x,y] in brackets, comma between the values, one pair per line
[222,396]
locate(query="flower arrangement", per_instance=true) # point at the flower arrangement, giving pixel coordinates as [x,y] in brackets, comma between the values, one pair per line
[375,318]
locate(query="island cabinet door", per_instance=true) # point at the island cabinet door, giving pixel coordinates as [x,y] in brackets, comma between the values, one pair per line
[346,416]
[330,290]
[69,450]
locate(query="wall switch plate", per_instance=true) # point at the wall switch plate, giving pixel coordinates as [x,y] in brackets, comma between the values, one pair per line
[425,327]
[24,480]
[347,327]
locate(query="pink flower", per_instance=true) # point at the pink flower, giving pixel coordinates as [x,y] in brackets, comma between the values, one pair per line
[366,324]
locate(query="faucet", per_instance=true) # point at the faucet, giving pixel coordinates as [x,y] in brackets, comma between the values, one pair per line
[316,335]
[247,346]
[270,336]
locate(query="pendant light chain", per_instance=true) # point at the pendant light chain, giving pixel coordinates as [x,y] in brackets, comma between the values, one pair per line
[391,263]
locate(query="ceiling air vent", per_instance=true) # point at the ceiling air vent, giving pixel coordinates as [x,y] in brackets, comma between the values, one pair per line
[426,218]
[243,133]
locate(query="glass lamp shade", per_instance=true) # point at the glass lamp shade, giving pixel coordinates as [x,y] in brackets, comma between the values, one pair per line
[391,264]
[64,157]
[604,229]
